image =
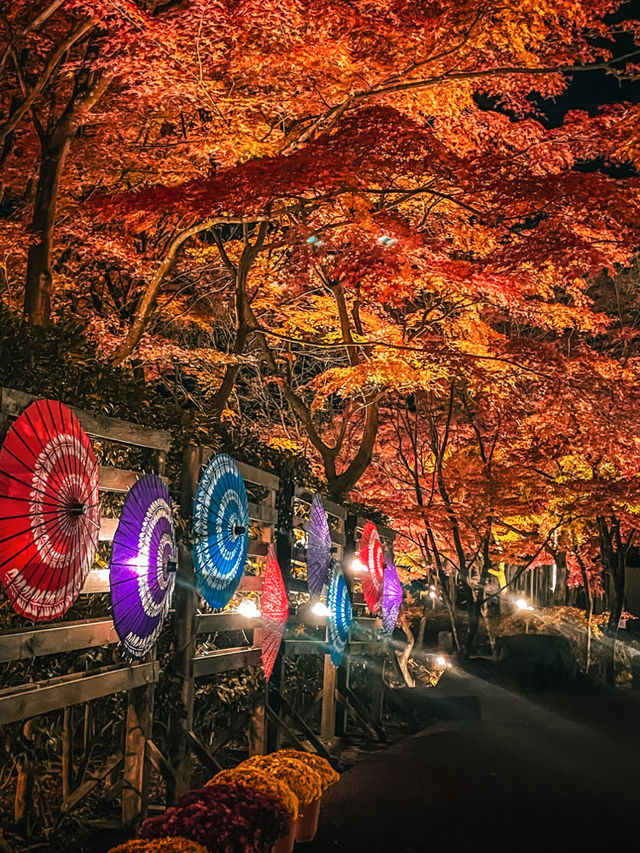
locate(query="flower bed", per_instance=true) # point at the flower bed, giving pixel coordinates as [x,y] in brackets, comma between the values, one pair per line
[223,818]
[259,780]
[305,783]
[266,800]
[328,775]
[160,845]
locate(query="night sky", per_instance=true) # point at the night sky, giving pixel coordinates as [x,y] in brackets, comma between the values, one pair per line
[592,89]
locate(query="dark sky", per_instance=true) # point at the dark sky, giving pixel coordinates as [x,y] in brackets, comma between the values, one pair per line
[591,89]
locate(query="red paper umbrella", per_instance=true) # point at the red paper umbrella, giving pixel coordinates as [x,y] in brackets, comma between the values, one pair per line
[372,558]
[49,512]
[275,612]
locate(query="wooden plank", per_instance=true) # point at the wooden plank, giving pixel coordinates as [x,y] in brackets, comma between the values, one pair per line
[368,622]
[210,623]
[331,507]
[212,764]
[256,548]
[263,513]
[358,716]
[251,583]
[334,509]
[135,774]
[97,581]
[328,718]
[108,527]
[31,700]
[24,645]
[299,720]
[280,722]
[158,761]
[387,533]
[223,660]
[370,648]
[364,713]
[86,787]
[258,476]
[116,479]
[119,479]
[97,426]
[305,647]
[223,737]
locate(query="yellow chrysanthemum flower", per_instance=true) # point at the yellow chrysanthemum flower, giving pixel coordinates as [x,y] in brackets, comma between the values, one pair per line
[328,775]
[305,783]
[259,780]
[160,845]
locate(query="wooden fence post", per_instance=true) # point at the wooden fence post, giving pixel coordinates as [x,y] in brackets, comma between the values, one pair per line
[342,675]
[67,752]
[185,601]
[328,717]
[136,770]
[284,526]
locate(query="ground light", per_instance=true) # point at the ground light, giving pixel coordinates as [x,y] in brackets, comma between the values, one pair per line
[441,661]
[320,609]
[357,565]
[522,604]
[248,609]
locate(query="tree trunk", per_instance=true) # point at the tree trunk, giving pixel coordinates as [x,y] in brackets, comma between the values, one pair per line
[589,601]
[340,486]
[55,146]
[39,282]
[614,561]
[405,654]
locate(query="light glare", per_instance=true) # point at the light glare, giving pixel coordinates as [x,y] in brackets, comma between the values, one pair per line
[248,609]
[320,609]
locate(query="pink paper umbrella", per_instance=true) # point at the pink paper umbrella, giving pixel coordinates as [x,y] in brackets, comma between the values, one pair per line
[372,558]
[275,612]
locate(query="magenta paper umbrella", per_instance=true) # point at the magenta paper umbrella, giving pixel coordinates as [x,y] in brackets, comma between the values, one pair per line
[275,612]
[391,596]
[49,510]
[372,558]
[143,565]
[319,547]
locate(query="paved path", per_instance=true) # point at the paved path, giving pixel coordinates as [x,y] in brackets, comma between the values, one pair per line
[539,773]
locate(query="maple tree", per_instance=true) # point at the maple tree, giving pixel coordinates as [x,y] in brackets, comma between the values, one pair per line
[299,214]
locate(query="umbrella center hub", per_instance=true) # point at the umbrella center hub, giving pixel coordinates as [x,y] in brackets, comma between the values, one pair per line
[78,509]
[239,529]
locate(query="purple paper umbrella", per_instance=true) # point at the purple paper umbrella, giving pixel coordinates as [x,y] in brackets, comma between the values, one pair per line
[319,547]
[391,596]
[143,565]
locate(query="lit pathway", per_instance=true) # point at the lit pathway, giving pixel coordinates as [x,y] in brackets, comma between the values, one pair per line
[541,773]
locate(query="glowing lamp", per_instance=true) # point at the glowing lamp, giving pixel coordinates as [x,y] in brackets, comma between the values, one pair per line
[320,609]
[248,609]
[357,565]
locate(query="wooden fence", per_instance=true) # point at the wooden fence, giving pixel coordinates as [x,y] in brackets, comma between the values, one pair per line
[270,720]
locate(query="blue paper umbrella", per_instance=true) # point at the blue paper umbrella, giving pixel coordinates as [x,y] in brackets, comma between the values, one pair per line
[340,615]
[391,596]
[221,527]
[318,548]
